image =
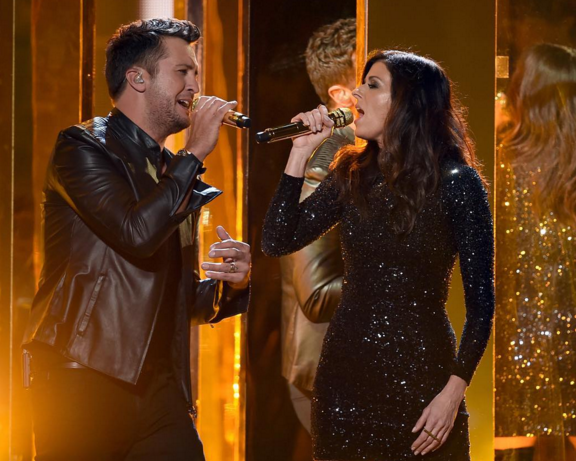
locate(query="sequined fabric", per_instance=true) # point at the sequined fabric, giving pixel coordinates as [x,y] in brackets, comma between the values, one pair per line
[390,348]
[536,322]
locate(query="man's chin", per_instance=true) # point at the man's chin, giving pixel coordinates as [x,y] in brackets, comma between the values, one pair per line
[180,125]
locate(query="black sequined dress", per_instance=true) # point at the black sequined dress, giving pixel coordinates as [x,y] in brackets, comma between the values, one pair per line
[390,348]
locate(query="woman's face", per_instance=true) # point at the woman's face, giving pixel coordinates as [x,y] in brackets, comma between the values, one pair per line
[373,103]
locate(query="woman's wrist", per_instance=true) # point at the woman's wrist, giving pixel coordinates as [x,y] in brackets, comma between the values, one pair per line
[296,165]
[456,386]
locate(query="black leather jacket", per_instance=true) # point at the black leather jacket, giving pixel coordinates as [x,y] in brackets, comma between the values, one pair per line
[107,214]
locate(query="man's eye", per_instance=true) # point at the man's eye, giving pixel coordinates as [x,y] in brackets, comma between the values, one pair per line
[183,71]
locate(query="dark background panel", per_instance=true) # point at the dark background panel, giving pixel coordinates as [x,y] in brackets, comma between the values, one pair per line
[279,88]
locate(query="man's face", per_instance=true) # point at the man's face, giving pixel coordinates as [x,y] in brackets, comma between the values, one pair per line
[169,97]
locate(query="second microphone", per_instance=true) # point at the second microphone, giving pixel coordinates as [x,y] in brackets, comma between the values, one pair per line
[341,118]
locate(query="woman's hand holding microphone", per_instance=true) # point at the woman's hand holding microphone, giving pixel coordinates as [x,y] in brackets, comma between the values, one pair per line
[303,146]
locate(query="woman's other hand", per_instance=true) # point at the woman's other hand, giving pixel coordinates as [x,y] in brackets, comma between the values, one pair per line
[438,417]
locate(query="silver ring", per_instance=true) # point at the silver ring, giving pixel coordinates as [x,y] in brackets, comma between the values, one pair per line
[233,268]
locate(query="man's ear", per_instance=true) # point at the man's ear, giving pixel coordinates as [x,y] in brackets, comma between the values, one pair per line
[137,78]
[341,96]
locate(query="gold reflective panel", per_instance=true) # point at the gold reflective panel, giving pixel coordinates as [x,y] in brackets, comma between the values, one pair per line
[219,357]
[535,107]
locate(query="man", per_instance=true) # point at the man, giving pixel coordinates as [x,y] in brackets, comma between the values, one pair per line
[312,277]
[109,327]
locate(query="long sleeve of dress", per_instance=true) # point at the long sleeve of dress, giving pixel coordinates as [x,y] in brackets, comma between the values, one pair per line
[289,225]
[468,209]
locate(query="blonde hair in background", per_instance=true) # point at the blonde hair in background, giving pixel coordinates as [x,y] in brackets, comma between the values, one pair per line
[330,56]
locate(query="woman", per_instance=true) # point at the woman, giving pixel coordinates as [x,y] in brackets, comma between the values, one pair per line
[536,280]
[390,385]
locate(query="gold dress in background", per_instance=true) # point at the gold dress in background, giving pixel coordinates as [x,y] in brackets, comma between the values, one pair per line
[535,345]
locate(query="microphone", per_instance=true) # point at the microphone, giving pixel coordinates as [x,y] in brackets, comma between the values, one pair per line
[231,118]
[236,119]
[341,118]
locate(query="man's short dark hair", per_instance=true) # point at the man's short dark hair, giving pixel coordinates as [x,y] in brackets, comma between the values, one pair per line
[329,56]
[140,43]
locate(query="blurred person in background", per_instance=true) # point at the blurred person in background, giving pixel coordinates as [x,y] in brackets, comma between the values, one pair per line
[535,375]
[312,277]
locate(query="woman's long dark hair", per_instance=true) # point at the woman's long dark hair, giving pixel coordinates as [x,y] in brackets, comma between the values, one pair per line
[542,100]
[423,128]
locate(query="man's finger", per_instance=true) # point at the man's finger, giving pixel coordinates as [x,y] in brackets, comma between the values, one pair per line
[234,253]
[229,105]
[226,276]
[224,268]
[241,246]
[222,233]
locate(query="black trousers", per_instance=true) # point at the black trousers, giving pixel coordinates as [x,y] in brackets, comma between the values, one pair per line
[82,415]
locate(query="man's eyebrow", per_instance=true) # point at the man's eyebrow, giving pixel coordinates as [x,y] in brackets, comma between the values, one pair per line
[187,66]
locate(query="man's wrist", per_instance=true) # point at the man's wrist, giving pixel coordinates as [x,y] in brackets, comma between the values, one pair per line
[186,153]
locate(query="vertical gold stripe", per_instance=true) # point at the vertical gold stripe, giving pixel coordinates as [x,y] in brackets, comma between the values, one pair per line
[241,168]
[495,220]
[81,56]
[361,44]
[11,283]
[361,37]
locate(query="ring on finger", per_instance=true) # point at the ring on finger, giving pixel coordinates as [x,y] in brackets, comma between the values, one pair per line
[431,435]
[233,268]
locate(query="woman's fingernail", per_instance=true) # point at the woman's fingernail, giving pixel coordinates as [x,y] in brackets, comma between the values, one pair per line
[205,266]
[211,254]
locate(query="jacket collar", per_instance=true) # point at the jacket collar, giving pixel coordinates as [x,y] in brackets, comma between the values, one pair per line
[135,138]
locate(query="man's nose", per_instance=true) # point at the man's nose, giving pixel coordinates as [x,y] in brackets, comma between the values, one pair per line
[193,85]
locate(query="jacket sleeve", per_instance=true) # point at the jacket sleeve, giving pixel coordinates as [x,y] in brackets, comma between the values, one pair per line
[318,277]
[215,300]
[468,210]
[318,269]
[95,187]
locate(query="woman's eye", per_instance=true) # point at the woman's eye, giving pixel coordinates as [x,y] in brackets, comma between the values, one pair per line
[371,85]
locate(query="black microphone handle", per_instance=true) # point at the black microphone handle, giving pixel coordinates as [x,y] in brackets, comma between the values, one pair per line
[292,130]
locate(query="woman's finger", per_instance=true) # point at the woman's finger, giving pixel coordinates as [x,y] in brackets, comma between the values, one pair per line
[317,116]
[301,117]
[433,440]
[421,421]
[327,121]
[419,442]
[426,446]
